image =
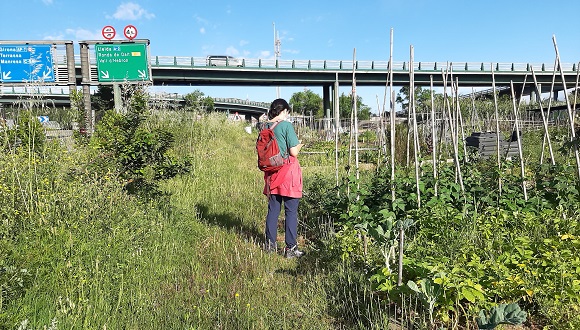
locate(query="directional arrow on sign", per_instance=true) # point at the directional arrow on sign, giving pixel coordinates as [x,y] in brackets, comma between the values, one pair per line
[105,74]
[6,75]
[142,74]
[47,74]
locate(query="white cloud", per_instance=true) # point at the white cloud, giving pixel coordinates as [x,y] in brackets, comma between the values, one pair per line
[201,20]
[264,54]
[77,35]
[47,2]
[202,30]
[243,43]
[232,51]
[82,34]
[54,37]
[131,11]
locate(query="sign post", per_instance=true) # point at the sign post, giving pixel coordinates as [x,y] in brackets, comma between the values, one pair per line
[118,62]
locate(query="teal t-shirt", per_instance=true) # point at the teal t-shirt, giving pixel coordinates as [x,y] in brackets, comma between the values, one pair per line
[286,137]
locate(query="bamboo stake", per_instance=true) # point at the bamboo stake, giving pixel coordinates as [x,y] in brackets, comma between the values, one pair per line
[433,136]
[460,117]
[415,131]
[575,95]
[497,130]
[549,107]
[453,139]
[408,152]
[380,134]
[354,110]
[473,110]
[544,121]
[518,107]
[522,165]
[336,125]
[570,119]
[392,121]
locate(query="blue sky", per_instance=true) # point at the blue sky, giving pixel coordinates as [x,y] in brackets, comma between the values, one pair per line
[456,31]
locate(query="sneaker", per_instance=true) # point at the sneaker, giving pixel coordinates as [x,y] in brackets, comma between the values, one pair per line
[270,248]
[293,252]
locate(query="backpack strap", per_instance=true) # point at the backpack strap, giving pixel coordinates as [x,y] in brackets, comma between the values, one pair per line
[275,124]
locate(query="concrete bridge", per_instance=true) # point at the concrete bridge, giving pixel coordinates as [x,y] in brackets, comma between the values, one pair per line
[74,70]
[59,96]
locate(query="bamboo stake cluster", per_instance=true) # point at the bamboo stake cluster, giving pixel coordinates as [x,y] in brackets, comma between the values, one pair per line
[451,127]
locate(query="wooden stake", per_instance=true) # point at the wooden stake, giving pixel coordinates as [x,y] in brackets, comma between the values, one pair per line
[433,136]
[544,120]
[522,165]
[549,107]
[498,145]
[415,131]
[336,125]
[355,110]
[575,95]
[392,121]
[453,138]
[570,116]
[460,117]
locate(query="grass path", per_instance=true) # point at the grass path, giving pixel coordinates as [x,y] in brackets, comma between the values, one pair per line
[223,279]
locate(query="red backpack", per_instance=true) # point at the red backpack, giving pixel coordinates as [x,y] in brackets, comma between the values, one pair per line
[269,157]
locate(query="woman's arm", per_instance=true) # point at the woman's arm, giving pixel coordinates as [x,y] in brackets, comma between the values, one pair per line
[295,150]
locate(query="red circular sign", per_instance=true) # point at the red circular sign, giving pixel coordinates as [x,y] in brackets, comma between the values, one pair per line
[130,32]
[108,32]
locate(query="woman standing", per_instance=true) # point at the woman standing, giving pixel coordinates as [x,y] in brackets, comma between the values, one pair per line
[285,185]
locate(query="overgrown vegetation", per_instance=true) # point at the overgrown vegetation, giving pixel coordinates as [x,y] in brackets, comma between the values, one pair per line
[156,222]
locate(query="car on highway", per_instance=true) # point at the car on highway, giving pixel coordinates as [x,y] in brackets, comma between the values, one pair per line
[223,60]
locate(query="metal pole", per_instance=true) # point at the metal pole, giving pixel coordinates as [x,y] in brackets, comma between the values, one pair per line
[276,54]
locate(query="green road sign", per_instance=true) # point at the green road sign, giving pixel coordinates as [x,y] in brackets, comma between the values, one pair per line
[122,62]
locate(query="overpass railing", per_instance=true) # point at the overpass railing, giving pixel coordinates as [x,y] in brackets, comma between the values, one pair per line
[367,65]
[176,61]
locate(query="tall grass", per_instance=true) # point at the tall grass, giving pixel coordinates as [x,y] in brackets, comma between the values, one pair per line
[77,252]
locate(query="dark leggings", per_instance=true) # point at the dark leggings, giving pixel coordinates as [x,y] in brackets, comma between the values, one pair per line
[291,223]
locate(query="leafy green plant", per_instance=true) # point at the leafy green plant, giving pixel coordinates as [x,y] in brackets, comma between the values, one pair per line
[28,133]
[141,156]
[501,314]
[428,292]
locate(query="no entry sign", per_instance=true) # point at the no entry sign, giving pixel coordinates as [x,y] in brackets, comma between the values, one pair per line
[108,32]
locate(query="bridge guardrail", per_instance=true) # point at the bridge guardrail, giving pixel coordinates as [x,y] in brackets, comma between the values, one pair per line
[379,65]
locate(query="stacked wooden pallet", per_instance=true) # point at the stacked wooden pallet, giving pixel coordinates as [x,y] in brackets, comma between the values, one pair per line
[486,144]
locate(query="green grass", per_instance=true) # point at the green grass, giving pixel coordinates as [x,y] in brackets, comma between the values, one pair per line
[78,253]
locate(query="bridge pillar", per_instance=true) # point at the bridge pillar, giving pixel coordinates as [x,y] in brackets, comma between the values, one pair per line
[86,83]
[326,99]
[533,96]
[70,66]
[326,106]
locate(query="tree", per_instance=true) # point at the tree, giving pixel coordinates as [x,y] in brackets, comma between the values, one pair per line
[345,104]
[102,100]
[307,103]
[422,99]
[197,101]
